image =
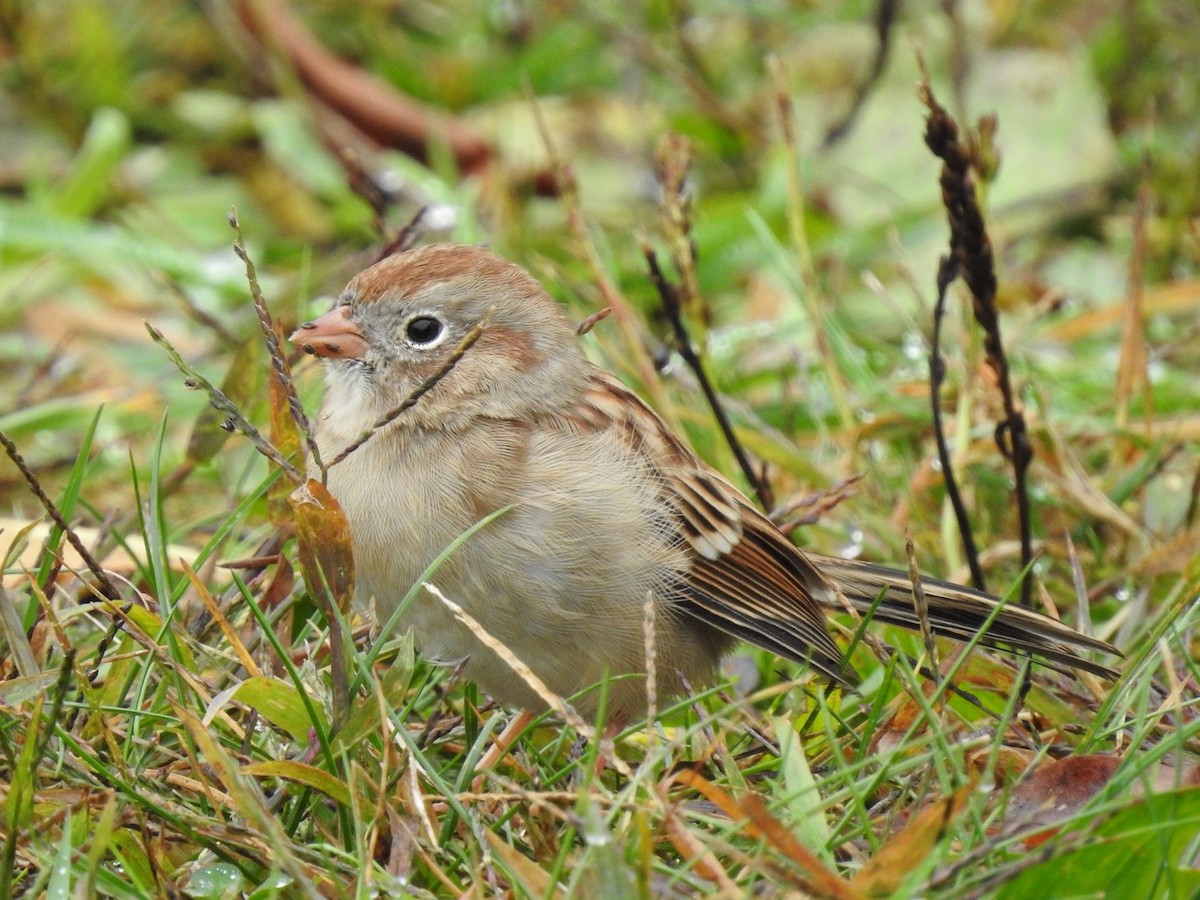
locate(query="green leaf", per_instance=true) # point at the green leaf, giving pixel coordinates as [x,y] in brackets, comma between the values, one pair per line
[59,886]
[106,143]
[805,807]
[220,881]
[366,718]
[301,773]
[1142,851]
[280,704]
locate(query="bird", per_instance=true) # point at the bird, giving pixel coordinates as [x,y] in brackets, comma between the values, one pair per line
[598,508]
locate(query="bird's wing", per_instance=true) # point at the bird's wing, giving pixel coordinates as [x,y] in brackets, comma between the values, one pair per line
[746,578]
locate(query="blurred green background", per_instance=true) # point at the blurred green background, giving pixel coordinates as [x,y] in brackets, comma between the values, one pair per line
[128,130]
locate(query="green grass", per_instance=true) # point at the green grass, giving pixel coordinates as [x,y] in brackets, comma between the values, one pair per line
[184,738]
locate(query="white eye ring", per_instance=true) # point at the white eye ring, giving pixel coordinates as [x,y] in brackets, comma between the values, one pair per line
[424,331]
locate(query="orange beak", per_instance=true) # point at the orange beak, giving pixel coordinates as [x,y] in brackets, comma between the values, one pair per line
[332,335]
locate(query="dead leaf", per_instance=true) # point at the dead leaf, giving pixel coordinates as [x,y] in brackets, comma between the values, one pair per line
[896,859]
[323,535]
[1056,791]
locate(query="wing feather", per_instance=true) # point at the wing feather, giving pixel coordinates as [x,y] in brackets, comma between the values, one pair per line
[748,580]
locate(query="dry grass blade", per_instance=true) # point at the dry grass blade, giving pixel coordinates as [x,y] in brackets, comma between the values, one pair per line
[895,861]
[222,621]
[279,363]
[107,589]
[819,879]
[234,420]
[703,860]
[920,602]
[1132,365]
[526,674]
[812,296]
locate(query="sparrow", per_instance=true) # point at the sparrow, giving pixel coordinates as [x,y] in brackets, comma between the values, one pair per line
[602,508]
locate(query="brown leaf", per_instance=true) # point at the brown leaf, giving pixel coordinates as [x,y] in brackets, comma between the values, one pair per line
[1057,791]
[323,535]
[819,879]
[534,879]
[286,437]
[327,561]
[1011,763]
[898,857]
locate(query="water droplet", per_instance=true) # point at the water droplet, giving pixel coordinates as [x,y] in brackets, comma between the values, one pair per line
[440,217]
[913,345]
[854,547]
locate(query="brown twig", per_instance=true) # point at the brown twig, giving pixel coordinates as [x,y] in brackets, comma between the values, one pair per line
[234,420]
[947,272]
[405,238]
[817,503]
[885,19]
[669,293]
[971,257]
[374,107]
[363,184]
[107,589]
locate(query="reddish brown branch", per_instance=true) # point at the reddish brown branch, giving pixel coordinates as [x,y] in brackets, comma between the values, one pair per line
[370,104]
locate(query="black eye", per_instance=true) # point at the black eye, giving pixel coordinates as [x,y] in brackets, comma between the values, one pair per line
[423,330]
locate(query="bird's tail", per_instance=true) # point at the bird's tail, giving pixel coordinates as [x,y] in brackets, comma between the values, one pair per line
[960,613]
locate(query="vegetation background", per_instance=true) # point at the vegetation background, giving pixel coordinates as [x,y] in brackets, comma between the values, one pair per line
[177,741]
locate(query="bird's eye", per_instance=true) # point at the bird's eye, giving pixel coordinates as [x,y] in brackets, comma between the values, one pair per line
[422,331]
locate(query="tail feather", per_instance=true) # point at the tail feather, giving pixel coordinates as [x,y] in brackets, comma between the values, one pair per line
[960,613]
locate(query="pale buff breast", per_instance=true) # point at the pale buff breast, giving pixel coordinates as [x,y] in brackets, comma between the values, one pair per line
[560,579]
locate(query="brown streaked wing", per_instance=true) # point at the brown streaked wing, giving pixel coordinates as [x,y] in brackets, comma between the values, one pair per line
[746,578]
[961,613]
[764,591]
